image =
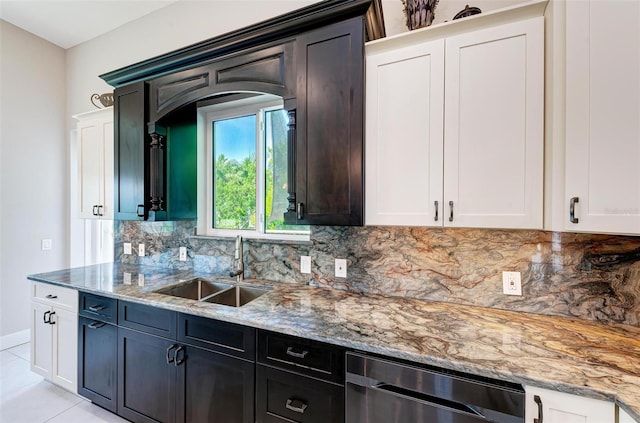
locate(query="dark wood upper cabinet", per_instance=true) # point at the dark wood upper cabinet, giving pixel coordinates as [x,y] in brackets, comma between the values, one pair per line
[326,157]
[131,157]
[312,57]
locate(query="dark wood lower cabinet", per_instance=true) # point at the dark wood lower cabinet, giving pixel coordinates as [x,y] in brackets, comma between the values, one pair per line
[289,397]
[146,378]
[98,362]
[215,388]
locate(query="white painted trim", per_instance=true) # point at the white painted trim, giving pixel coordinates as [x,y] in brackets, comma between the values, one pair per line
[14,339]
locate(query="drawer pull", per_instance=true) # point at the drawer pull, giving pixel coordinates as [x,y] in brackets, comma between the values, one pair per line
[44,317]
[51,296]
[96,325]
[296,405]
[292,353]
[96,308]
[51,322]
[538,401]
[179,359]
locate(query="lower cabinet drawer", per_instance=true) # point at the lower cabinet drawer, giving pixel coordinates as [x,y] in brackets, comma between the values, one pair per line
[54,295]
[98,307]
[289,397]
[147,319]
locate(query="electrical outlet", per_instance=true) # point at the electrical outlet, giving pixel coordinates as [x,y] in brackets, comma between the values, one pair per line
[126,278]
[511,283]
[341,268]
[127,248]
[183,254]
[46,244]
[305,264]
[141,251]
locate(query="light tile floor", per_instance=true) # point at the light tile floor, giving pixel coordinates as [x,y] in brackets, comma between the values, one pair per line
[26,397]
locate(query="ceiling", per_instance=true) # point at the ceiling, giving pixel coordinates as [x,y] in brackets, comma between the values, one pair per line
[67,23]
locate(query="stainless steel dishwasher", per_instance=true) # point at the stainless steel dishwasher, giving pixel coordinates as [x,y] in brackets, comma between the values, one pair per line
[383,391]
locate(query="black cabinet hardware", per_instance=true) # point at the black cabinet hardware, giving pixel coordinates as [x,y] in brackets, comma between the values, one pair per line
[51,296]
[572,210]
[538,400]
[296,405]
[292,353]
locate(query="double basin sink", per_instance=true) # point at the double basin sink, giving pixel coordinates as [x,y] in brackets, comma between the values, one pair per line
[214,292]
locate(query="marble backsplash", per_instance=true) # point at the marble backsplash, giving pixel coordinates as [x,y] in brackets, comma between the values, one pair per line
[593,277]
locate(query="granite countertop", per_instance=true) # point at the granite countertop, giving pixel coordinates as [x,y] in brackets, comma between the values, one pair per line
[580,357]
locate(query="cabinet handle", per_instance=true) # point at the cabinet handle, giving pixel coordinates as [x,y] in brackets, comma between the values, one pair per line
[140,206]
[298,407]
[95,213]
[51,322]
[51,296]
[435,204]
[179,360]
[169,358]
[300,211]
[572,209]
[451,211]
[292,353]
[44,317]
[96,308]
[538,401]
[100,210]
[96,325]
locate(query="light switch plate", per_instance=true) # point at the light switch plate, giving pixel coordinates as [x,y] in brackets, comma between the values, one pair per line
[47,244]
[141,251]
[183,254]
[127,248]
[341,268]
[305,264]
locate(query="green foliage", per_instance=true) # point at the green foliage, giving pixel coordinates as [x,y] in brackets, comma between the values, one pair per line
[235,193]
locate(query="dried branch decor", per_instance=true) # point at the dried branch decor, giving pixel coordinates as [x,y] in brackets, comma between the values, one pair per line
[419,13]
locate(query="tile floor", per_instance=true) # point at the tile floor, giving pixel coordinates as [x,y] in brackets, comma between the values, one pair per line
[26,397]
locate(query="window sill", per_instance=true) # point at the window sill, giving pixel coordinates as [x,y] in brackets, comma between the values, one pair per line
[254,239]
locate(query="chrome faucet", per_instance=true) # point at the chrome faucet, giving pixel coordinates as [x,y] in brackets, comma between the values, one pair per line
[238,264]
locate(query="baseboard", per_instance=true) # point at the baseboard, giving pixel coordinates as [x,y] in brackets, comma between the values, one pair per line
[15,338]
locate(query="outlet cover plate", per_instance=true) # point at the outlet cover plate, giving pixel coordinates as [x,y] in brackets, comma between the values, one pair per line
[183,254]
[511,283]
[341,268]
[305,264]
[141,251]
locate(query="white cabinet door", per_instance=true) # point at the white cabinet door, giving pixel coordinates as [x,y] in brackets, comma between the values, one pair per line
[623,416]
[64,370]
[404,113]
[493,132]
[95,164]
[602,114]
[558,407]
[41,340]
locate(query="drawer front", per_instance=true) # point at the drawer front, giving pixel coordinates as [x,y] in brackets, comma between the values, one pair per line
[304,356]
[148,319]
[215,335]
[98,307]
[287,397]
[55,295]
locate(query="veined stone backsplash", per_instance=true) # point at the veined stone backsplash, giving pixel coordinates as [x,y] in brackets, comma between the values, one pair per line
[593,277]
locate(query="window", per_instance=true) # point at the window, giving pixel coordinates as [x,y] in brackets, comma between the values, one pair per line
[246,170]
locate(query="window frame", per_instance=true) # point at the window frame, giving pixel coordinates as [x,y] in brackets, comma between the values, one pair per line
[206,116]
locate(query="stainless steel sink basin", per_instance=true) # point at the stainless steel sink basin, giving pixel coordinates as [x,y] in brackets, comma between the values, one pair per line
[195,289]
[237,296]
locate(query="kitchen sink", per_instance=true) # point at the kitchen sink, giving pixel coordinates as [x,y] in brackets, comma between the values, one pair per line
[195,289]
[237,296]
[214,292]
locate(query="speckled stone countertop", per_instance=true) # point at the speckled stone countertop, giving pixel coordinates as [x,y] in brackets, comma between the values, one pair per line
[575,356]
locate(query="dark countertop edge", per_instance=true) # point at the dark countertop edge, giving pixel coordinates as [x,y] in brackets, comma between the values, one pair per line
[451,364]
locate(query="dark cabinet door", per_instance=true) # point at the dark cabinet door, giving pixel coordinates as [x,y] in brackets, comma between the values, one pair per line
[146,377]
[131,156]
[326,187]
[214,388]
[97,362]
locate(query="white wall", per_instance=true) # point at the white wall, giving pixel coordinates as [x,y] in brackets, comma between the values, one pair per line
[33,169]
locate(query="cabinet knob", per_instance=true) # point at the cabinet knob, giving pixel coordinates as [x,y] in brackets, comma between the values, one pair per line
[572,209]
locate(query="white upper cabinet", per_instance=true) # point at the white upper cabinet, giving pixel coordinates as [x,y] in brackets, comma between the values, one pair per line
[602,166]
[494,124]
[404,121]
[454,124]
[95,164]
